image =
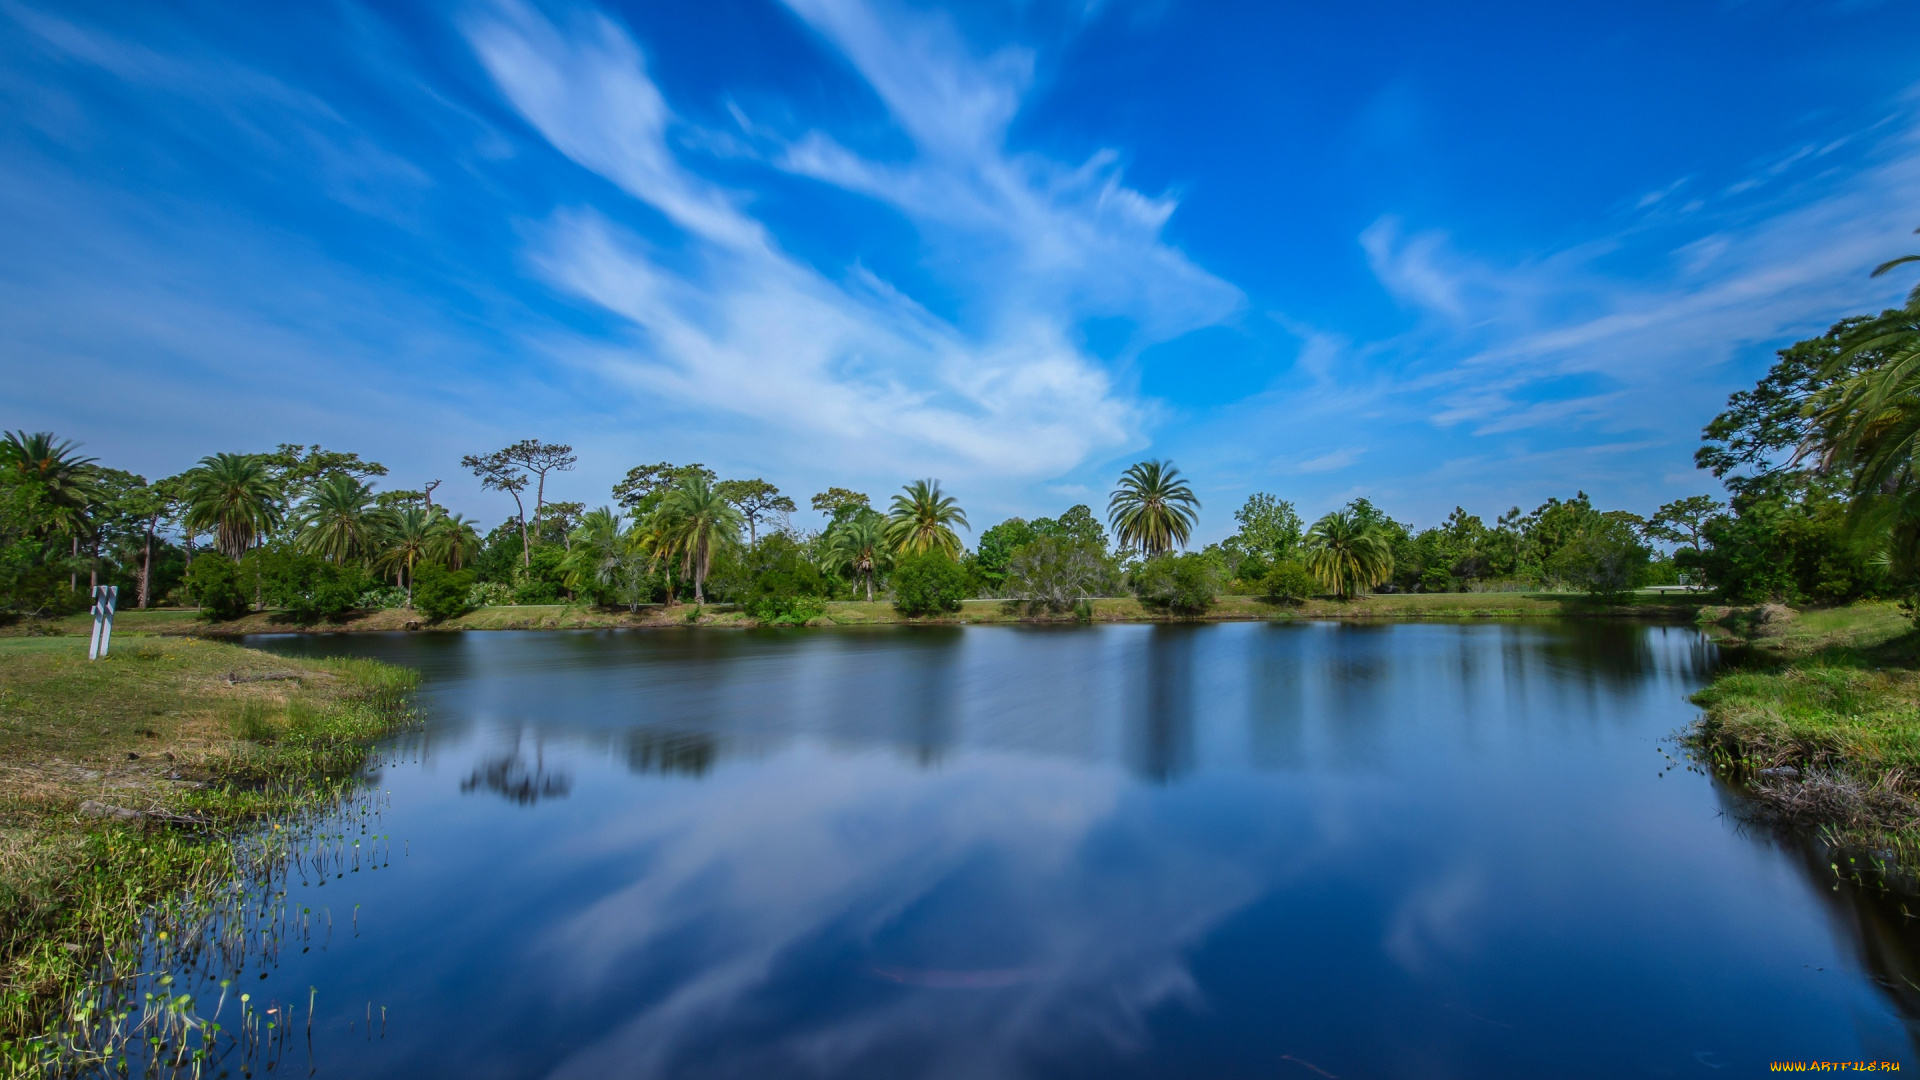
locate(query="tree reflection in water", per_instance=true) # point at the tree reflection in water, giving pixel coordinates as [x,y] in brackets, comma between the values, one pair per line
[677,753]
[511,777]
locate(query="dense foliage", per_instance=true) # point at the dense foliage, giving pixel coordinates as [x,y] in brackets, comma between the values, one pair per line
[929,583]
[1817,460]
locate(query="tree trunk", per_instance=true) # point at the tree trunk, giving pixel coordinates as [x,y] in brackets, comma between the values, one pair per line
[146,561]
[73,579]
[526,546]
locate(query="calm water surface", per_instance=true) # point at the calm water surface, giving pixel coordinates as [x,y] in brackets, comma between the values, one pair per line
[1233,850]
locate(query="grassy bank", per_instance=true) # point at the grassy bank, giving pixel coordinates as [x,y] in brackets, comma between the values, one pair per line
[126,786]
[861,613]
[1819,716]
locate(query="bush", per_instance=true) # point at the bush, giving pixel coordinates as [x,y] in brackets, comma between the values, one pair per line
[1056,575]
[776,583]
[488,594]
[308,587]
[213,580]
[929,584]
[1289,582]
[441,594]
[376,597]
[1182,584]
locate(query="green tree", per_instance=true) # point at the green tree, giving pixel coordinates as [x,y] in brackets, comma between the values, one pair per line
[754,499]
[411,539]
[640,492]
[67,481]
[1289,582]
[921,519]
[442,594]
[1057,574]
[1152,509]
[235,497]
[701,522]
[1269,527]
[213,580]
[858,545]
[928,582]
[1349,552]
[839,503]
[1181,584]
[456,543]
[1684,521]
[995,551]
[340,521]
[1605,558]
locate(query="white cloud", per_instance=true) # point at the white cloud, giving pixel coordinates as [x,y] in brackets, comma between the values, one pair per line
[737,324]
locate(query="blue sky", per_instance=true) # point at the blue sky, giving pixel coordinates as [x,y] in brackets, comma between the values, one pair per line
[1481,255]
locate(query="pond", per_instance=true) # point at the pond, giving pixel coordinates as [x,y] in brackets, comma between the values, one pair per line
[1223,850]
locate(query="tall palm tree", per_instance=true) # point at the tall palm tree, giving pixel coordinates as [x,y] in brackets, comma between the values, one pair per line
[234,497]
[1348,553]
[410,540]
[339,521]
[858,545]
[1152,508]
[66,478]
[702,522]
[921,519]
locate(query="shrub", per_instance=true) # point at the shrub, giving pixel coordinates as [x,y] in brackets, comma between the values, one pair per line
[213,580]
[308,587]
[1182,584]
[929,584]
[488,594]
[776,583]
[441,594]
[1289,582]
[375,597]
[1053,574]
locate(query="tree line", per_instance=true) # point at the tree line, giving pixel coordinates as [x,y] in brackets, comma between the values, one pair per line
[307,530]
[1817,458]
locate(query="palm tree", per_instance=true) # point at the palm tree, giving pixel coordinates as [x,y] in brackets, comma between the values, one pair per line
[339,520]
[1868,421]
[1152,508]
[234,497]
[410,541]
[921,519]
[1348,553]
[697,521]
[66,478]
[606,553]
[455,543]
[858,545]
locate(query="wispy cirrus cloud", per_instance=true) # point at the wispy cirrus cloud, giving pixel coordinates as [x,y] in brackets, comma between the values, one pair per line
[746,327]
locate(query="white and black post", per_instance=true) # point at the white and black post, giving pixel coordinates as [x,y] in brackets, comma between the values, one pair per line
[103,599]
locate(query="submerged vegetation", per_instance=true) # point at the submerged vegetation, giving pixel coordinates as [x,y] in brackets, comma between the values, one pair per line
[138,791]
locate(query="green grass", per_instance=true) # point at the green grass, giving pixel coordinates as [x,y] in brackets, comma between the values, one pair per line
[158,730]
[863,613]
[1833,695]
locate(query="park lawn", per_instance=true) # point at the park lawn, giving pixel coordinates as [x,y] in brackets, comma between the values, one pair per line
[1820,715]
[123,782]
[177,621]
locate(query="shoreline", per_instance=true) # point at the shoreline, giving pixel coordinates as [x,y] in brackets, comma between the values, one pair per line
[137,793]
[1815,720]
[1405,606]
